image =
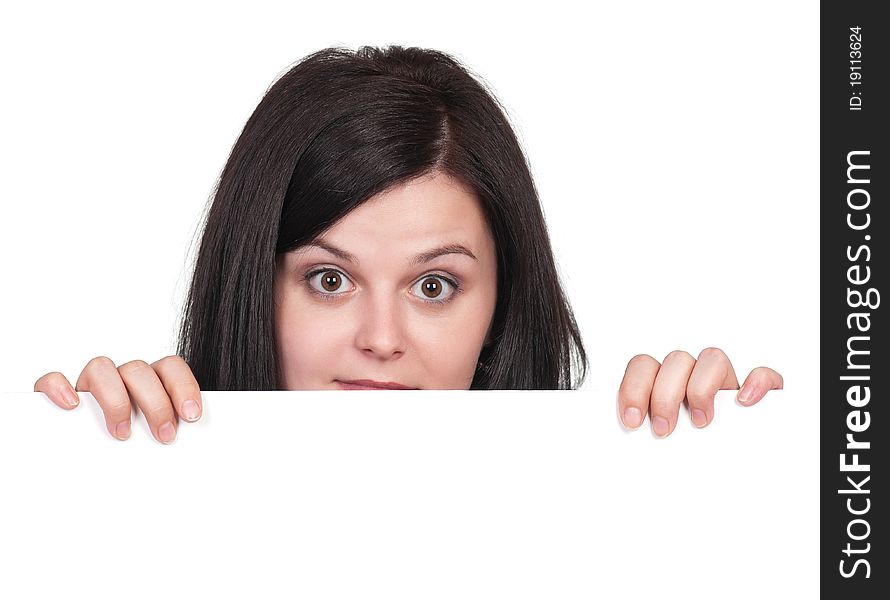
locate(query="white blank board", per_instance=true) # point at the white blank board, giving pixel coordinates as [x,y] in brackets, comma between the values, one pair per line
[408,495]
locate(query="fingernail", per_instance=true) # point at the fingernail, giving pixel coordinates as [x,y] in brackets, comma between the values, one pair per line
[70,397]
[661,426]
[699,418]
[167,432]
[190,410]
[632,417]
[122,431]
[746,394]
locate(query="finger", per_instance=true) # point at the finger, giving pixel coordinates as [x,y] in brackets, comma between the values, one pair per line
[100,377]
[181,386]
[759,382]
[635,389]
[147,391]
[58,390]
[669,390]
[712,372]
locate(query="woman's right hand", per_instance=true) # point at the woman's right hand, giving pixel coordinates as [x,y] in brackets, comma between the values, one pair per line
[162,391]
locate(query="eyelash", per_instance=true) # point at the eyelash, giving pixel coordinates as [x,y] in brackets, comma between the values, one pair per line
[451,281]
[455,288]
[325,295]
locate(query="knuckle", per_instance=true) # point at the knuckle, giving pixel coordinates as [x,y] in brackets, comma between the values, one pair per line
[184,391]
[116,407]
[134,366]
[757,375]
[642,359]
[47,380]
[766,376]
[660,404]
[699,394]
[100,361]
[679,355]
[713,353]
[158,414]
[168,360]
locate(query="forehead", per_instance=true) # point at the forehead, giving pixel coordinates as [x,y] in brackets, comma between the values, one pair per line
[434,208]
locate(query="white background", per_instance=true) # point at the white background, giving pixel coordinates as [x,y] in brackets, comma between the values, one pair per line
[675,149]
[415,495]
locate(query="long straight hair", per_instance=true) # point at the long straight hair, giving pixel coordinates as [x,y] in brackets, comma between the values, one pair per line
[336,129]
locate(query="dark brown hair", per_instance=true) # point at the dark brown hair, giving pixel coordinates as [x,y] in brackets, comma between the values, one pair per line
[336,129]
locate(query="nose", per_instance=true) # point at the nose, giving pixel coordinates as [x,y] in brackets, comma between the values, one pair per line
[381,329]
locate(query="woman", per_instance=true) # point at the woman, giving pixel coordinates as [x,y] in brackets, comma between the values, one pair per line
[376,227]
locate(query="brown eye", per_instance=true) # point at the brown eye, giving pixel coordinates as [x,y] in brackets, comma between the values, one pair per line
[431,287]
[330,282]
[434,288]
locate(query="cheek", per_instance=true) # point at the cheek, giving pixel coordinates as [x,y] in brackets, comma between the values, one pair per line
[308,344]
[450,345]
[452,361]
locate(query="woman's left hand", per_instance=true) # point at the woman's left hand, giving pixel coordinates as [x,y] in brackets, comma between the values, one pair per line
[659,388]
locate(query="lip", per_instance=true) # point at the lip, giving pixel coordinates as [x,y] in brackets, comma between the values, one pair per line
[370,384]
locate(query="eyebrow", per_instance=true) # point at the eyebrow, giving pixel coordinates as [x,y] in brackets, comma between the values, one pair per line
[423,257]
[341,254]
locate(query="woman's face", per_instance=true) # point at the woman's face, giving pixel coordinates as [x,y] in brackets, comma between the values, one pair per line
[398,293]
